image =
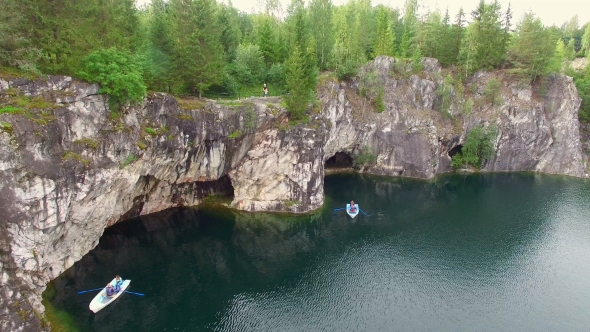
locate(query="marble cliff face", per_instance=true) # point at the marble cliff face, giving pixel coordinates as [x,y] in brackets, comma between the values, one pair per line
[70,171]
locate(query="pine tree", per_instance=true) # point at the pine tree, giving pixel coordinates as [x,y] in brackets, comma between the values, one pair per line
[322,28]
[365,26]
[570,50]
[384,37]
[531,49]
[410,22]
[299,96]
[492,42]
[457,35]
[468,53]
[348,53]
[558,56]
[446,54]
[198,51]
[430,35]
[230,30]
[159,48]
[300,38]
[586,40]
[267,41]
[16,48]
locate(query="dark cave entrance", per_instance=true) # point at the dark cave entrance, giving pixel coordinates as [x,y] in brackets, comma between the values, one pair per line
[455,150]
[339,160]
[220,191]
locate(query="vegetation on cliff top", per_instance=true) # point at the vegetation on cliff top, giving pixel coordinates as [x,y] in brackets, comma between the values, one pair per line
[208,48]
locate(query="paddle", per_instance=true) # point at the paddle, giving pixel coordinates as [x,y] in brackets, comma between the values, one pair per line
[134,293]
[339,209]
[90,290]
[368,215]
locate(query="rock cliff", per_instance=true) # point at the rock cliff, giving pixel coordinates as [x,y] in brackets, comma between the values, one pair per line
[69,167]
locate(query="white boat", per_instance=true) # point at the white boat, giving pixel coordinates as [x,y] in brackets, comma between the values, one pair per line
[101,299]
[352,214]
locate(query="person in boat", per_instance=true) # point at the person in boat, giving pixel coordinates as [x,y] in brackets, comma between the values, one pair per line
[118,283]
[110,290]
[352,206]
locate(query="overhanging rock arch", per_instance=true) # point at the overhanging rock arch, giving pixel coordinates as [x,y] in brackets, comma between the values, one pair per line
[339,160]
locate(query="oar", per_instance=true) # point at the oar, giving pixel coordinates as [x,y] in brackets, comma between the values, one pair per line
[90,290]
[368,215]
[134,293]
[339,209]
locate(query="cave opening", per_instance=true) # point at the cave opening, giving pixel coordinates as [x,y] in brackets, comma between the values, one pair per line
[455,150]
[339,160]
[220,191]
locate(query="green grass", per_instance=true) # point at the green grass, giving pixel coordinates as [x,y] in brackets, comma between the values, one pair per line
[89,142]
[10,72]
[129,160]
[256,91]
[69,155]
[294,123]
[33,103]
[141,145]
[236,134]
[11,110]
[156,131]
[184,116]
[35,109]
[151,131]
[42,118]
[7,127]
[191,104]
[290,203]
[231,103]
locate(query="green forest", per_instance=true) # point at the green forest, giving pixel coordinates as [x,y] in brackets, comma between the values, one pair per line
[203,48]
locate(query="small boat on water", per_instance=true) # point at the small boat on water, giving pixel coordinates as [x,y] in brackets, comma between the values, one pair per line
[101,300]
[354,213]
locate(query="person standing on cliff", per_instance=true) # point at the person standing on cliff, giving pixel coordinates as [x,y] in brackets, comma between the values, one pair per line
[265,90]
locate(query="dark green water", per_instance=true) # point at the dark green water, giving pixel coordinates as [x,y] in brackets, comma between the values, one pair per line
[495,252]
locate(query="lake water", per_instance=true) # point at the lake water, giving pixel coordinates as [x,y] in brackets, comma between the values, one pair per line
[483,252]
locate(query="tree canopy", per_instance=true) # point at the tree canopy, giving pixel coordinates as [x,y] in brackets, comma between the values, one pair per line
[204,47]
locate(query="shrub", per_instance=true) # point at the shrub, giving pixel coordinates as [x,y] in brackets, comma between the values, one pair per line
[236,134]
[582,81]
[10,110]
[478,147]
[250,119]
[364,158]
[89,142]
[492,92]
[445,91]
[5,126]
[69,155]
[151,131]
[118,73]
[379,101]
[468,107]
[129,160]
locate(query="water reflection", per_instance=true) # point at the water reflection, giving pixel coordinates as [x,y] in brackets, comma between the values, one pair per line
[476,252]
